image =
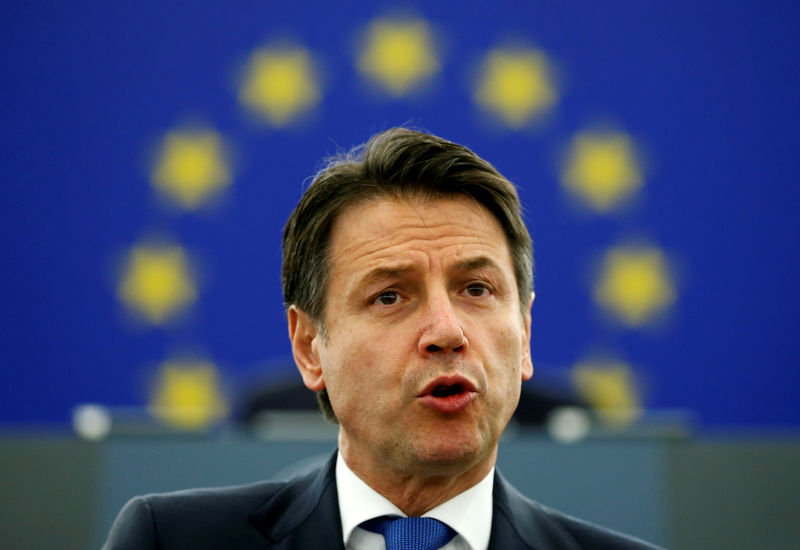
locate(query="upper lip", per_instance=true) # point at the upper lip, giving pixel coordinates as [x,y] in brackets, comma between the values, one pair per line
[449,381]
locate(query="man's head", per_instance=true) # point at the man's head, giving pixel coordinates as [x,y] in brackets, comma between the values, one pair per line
[396,164]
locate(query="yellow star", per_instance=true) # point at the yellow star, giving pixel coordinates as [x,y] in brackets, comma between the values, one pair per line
[156,283]
[602,169]
[191,167]
[634,284]
[280,84]
[398,54]
[610,388]
[515,85]
[187,395]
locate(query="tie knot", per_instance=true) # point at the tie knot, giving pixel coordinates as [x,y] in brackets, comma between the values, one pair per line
[413,533]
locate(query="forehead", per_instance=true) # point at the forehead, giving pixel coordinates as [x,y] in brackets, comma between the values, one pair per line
[417,231]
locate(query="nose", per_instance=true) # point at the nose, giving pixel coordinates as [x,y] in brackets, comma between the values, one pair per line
[442,332]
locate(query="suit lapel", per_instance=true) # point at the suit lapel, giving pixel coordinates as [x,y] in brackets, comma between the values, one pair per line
[518,522]
[304,513]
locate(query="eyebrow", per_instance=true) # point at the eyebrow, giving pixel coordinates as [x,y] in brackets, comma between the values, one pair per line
[383,273]
[394,272]
[471,264]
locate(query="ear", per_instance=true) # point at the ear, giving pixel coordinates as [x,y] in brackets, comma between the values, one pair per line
[305,338]
[527,362]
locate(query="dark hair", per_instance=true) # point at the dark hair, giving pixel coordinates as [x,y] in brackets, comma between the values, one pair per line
[397,163]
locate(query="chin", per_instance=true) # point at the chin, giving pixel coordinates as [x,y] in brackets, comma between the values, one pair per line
[449,456]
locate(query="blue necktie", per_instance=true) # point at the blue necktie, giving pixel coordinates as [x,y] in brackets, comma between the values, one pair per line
[412,533]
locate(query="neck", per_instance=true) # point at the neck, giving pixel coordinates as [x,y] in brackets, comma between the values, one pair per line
[421,488]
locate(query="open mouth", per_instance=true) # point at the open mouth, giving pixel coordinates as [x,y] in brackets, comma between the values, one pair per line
[447,390]
[447,386]
[449,394]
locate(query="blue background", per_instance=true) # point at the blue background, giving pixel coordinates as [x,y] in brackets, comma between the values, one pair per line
[707,89]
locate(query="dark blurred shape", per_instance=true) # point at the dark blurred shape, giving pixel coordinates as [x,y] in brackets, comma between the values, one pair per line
[538,402]
[284,395]
[536,405]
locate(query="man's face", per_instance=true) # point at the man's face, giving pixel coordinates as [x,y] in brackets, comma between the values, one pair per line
[425,348]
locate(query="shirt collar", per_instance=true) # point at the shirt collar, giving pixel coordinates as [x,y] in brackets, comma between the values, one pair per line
[469,513]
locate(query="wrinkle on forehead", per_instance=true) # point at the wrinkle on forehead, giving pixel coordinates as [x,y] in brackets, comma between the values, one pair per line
[420,231]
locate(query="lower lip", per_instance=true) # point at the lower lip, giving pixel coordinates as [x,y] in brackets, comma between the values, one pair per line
[450,404]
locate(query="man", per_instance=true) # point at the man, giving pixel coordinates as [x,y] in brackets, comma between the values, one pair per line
[407,275]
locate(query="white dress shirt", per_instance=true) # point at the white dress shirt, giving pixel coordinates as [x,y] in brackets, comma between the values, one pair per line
[469,514]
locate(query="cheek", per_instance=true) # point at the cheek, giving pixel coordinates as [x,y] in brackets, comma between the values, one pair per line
[507,363]
[507,339]
[357,375]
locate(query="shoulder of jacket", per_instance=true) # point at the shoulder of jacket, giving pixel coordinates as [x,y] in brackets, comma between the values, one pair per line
[536,520]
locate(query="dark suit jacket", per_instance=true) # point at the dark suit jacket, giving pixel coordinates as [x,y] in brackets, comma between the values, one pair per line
[303,514]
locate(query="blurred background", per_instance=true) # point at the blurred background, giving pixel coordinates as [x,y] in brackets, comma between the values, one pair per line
[152,151]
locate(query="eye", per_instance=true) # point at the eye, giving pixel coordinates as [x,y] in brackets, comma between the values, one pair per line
[477,290]
[387,298]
